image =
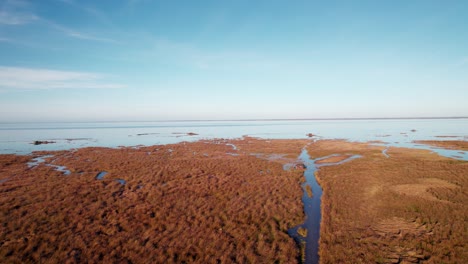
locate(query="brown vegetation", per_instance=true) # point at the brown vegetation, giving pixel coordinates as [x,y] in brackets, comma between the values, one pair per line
[231,201]
[189,202]
[409,208]
[302,231]
[449,144]
[309,191]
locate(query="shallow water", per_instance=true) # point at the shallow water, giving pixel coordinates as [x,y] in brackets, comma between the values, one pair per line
[334,163]
[17,137]
[38,160]
[121,181]
[101,175]
[384,152]
[61,169]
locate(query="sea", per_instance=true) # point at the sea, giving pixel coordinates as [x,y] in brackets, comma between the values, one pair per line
[18,138]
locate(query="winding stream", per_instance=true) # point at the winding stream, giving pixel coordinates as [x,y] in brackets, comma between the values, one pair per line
[309,241]
[36,161]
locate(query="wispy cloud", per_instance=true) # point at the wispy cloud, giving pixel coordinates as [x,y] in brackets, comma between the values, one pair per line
[15,12]
[18,12]
[32,78]
[77,34]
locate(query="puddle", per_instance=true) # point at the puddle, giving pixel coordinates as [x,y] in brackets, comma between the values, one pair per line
[36,161]
[60,169]
[234,147]
[101,175]
[121,181]
[384,152]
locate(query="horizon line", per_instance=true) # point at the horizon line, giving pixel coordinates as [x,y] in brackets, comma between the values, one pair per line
[249,119]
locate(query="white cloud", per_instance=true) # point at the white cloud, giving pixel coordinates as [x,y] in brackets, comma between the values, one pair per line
[17,12]
[31,78]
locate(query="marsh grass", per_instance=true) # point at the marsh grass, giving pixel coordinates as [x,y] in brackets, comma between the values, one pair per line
[176,206]
[410,207]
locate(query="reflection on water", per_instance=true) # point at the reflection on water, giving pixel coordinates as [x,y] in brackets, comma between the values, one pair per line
[16,137]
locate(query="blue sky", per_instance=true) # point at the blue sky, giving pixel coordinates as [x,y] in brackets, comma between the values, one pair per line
[70,60]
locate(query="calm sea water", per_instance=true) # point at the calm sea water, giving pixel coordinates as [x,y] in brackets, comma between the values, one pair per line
[17,137]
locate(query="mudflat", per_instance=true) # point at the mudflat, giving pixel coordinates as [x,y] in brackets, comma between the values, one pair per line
[231,201]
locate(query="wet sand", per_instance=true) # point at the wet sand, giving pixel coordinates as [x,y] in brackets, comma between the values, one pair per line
[231,201]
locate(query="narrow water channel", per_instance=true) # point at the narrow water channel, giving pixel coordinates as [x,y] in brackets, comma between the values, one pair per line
[309,240]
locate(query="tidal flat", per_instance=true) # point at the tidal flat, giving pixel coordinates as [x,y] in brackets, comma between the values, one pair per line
[231,201]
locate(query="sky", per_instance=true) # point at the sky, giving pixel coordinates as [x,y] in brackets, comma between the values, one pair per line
[143,60]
